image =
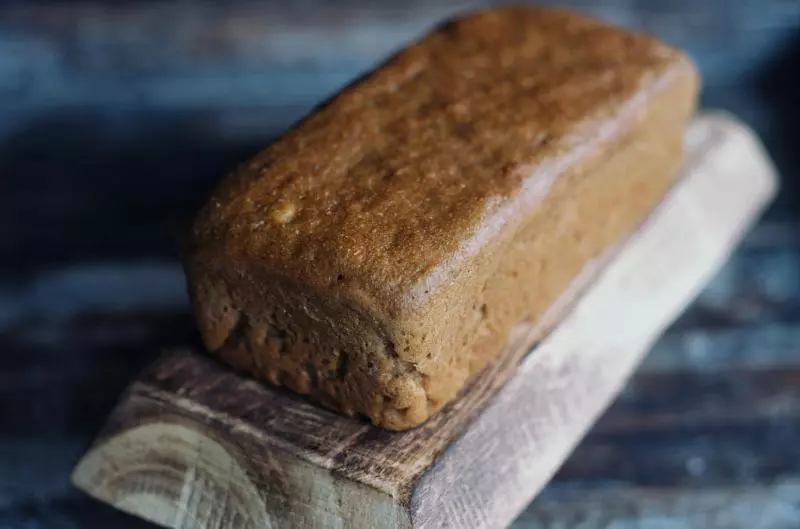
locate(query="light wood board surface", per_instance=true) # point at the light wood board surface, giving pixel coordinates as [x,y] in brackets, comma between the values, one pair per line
[192,444]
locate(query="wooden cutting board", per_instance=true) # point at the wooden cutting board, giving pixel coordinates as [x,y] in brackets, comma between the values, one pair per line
[192,444]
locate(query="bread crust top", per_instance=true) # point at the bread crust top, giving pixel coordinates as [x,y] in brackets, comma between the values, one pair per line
[394,183]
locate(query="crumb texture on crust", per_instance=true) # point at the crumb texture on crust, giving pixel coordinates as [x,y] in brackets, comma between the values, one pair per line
[377,254]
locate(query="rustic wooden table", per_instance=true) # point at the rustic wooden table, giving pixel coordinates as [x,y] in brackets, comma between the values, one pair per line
[114,121]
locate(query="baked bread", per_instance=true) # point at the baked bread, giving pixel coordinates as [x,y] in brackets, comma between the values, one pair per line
[378,254]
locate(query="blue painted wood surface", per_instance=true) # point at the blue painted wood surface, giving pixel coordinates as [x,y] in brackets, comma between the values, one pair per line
[115,120]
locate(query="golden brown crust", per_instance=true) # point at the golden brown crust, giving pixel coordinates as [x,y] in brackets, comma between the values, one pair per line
[409,222]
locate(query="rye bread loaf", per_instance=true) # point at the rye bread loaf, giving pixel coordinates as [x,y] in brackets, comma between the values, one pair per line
[377,255]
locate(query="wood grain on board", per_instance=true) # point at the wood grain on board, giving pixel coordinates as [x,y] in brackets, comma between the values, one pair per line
[192,444]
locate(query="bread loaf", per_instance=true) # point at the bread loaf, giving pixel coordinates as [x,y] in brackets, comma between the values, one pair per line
[377,255]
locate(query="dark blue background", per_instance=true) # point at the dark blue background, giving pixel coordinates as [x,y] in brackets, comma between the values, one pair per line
[117,117]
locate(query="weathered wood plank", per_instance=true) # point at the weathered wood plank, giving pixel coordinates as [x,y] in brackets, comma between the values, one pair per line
[654,402]
[689,430]
[67,512]
[318,47]
[746,453]
[226,448]
[244,71]
[758,506]
[700,349]
[211,68]
[767,506]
